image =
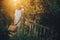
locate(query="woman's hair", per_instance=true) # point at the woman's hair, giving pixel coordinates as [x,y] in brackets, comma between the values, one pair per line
[19,6]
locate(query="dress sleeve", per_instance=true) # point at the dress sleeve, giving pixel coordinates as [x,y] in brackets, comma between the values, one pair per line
[15,16]
[15,12]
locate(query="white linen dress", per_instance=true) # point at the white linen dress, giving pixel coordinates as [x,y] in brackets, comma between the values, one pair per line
[18,14]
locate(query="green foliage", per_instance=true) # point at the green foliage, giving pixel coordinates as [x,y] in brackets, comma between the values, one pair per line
[4,22]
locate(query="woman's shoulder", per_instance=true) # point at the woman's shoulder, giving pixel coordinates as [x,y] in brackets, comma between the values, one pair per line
[17,10]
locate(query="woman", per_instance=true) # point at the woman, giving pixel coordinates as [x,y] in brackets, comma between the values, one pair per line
[18,18]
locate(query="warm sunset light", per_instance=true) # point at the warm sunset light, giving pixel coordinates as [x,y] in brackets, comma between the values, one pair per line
[10,6]
[15,0]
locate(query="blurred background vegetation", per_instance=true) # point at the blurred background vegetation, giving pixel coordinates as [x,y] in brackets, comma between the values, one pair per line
[42,12]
